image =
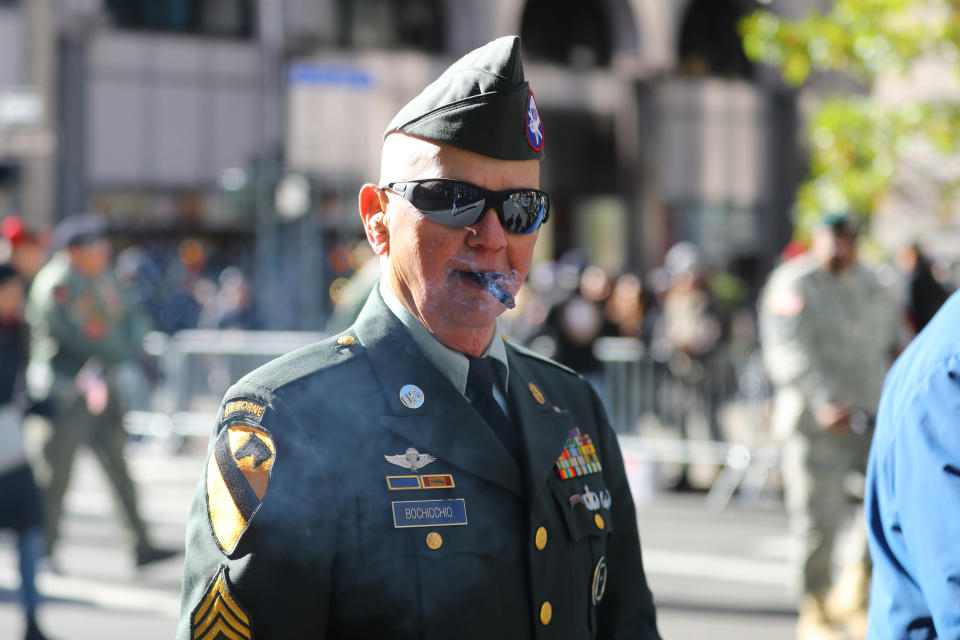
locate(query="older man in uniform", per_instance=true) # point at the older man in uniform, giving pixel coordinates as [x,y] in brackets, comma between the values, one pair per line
[415,477]
[828,332]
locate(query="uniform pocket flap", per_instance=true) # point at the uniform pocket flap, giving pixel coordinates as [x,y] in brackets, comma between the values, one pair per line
[585,504]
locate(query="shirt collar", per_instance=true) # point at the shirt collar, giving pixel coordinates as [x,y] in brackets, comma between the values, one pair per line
[452,364]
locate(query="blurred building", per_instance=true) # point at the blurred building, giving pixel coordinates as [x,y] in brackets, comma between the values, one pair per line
[251,123]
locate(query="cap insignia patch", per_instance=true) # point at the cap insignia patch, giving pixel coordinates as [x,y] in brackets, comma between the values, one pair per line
[534,125]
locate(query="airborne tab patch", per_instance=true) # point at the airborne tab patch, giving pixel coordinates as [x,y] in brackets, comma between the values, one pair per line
[219,615]
[247,408]
[238,473]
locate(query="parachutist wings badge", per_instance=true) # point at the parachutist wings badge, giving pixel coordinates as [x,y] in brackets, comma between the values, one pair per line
[411,459]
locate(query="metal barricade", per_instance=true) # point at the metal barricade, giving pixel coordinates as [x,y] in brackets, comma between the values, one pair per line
[650,401]
[198,366]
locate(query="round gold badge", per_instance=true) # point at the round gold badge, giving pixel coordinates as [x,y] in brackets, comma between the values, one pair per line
[434,540]
[546,613]
[537,395]
[598,520]
[541,538]
[346,341]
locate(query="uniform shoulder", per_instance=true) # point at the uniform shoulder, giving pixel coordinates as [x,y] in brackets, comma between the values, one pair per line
[790,274]
[783,294]
[313,359]
[55,273]
[533,355]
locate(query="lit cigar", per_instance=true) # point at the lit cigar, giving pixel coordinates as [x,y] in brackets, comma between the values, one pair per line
[490,281]
[501,294]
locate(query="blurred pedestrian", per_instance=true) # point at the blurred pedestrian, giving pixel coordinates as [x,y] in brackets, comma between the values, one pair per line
[925,292]
[576,323]
[689,337]
[913,489]
[82,329]
[828,331]
[21,509]
[26,252]
[234,305]
[365,276]
[627,308]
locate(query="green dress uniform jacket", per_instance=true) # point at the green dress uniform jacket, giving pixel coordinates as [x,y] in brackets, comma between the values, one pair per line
[303,527]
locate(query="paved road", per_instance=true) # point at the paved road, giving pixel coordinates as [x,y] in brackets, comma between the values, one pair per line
[717,575]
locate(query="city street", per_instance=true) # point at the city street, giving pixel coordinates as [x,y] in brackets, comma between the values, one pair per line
[718,575]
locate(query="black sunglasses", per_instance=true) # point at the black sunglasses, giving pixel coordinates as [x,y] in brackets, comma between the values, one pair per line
[454,203]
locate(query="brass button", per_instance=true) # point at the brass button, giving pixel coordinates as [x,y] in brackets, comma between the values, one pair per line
[546,613]
[541,538]
[434,540]
[346,341]
[598,520]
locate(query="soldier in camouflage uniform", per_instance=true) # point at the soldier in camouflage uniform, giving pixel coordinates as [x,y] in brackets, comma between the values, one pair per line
[828,331]
[81,329]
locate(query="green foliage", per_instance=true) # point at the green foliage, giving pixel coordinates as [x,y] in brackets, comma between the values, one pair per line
[856,142]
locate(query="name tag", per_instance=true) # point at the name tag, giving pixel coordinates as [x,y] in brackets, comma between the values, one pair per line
[429,513]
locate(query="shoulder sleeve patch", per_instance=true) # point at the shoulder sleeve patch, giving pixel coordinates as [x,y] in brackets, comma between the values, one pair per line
[237,475]
[219,615]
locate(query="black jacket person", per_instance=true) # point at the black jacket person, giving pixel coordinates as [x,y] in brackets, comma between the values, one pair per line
[415,476]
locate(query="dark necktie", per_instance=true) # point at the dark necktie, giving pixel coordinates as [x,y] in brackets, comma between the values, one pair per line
[480,392]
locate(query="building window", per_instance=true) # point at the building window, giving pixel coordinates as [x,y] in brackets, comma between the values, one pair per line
[219,18]
[709,42]
[567,32]
[391,24]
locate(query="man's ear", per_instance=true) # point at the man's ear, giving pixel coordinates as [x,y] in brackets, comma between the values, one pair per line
[373,211]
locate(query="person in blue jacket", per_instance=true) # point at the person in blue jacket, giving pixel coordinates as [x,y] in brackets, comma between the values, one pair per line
[913,489]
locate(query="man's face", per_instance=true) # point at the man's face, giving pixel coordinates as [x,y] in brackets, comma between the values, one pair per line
[92,258]
[835,249]
[428,263]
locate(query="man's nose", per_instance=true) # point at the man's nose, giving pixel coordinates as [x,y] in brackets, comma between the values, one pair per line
[488,233]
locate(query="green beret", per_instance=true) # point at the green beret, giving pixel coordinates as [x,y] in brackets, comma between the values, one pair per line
[482,103]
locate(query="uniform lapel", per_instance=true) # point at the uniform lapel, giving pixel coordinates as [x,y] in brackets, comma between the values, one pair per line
[545,427]
[446,425]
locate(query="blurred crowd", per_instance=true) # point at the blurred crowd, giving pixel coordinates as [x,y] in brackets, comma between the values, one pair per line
[694,320]
[181,285]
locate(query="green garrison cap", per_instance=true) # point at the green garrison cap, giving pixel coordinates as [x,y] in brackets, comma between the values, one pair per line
[841,222]
[482,103]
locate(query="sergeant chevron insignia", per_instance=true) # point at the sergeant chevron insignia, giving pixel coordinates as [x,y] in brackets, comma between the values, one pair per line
[219,615]
[238,472]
